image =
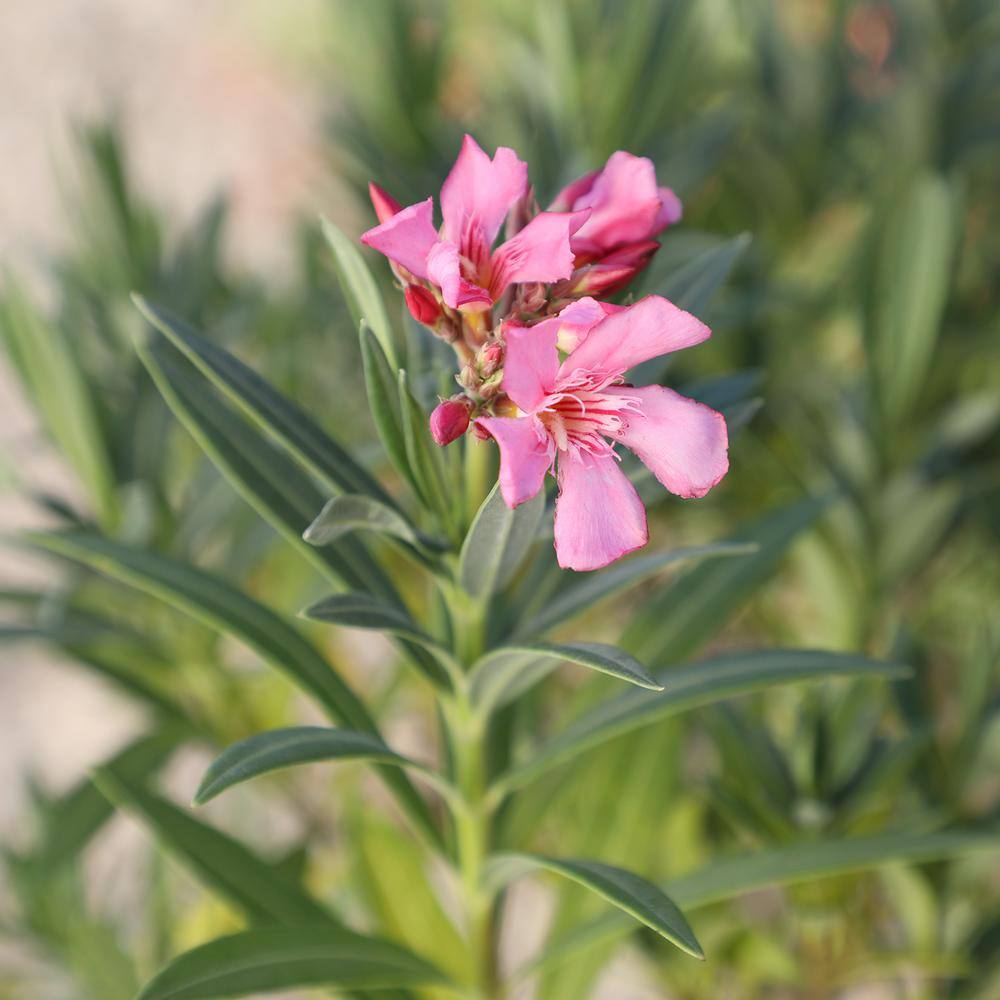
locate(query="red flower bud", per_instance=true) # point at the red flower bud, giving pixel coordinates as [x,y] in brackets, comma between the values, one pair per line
[449,420]
[424,308]
[385,205]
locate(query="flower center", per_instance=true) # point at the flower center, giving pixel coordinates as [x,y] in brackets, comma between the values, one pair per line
[581,419]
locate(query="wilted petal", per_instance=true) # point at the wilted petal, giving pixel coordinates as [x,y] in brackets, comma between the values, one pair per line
[684,443]
[525,456]
[540,252]
[651,327]
[478,192]
[444,268]
[406,237]
[599,516]
[531,363]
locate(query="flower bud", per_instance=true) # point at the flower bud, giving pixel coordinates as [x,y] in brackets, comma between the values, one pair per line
[385,205]
[490,358]
[449,420]
[424,308]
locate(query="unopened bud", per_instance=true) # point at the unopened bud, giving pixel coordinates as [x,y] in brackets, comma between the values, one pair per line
[385,205]
[424,308]
[449,420]
[490,358]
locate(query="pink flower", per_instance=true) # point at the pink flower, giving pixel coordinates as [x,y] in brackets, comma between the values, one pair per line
[475,199]
[626,205]
[573,413]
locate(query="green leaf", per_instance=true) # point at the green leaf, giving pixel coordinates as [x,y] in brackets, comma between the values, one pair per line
[71,821]
[423,456]
[360,290]
[637,897]
[693,284]
[264,476]
[675,624]
[283,958]
[221,606]
[277,414]
[280,748]
[48,366]
[726,878]
[691,687]
[581,593]
[383,400]
[916,246]
[345,514]
[497,542]
[219,862]
[501,673]
[365,611]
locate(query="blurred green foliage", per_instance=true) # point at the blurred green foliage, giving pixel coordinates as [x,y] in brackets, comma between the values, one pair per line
[859,144]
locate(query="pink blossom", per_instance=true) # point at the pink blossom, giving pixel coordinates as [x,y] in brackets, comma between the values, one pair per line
[572,413]
[625,203]
[460,261]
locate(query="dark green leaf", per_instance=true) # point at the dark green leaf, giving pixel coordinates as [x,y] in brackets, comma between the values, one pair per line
[580,594]
[690,687]
[279,748]
[503,669]
[282,958]
[637,897]
[726,878]
[286,420]
[422,454]
[219,862]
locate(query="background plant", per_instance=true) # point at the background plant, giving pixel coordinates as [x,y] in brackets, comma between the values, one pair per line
[863,311]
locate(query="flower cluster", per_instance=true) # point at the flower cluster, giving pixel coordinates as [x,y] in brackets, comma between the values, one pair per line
[543,361]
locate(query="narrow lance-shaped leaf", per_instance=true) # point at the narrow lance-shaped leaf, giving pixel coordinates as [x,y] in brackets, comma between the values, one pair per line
[275,412]
[637,897]
[281,748]
[726,878]
[689,687]
[497,542]
[218,861]
[578,595]
[507,668]
[422,454]
[364,611]
[383,400]
[266,478]
[683,617]
[363,297]
[286,958]
[344,514]
[223,607]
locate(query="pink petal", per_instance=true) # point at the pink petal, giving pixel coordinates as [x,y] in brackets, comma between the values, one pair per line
[531,363]
[525,455]
[444,268]
[574,323]
[599,516]
[625,203]
[479,192]
[540,252]
[651,327]
[567,198]
[670,211]
[683,442]
[407,237]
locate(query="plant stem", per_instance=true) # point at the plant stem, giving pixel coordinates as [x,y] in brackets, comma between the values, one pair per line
[473,823]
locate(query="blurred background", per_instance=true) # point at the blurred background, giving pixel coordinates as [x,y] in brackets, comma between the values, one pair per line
[839,163]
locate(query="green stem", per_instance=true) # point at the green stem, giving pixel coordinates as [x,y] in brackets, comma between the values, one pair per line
[478,474]
[473,822]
